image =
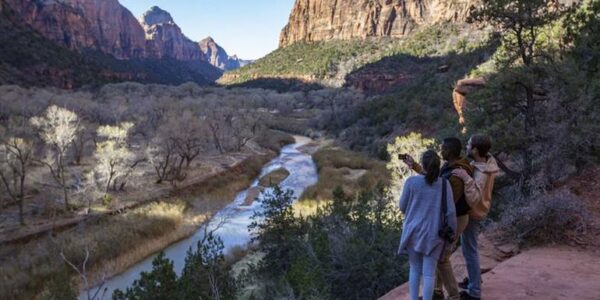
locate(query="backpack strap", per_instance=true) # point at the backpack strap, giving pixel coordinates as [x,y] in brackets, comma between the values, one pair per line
[444,198]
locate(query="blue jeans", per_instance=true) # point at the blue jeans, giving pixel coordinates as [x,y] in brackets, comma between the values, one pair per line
[471,254]
[421,265]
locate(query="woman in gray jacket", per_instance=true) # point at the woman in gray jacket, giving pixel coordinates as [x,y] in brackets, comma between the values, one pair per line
[421,204]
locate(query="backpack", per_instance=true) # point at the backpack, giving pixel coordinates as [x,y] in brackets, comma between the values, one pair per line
[462,207]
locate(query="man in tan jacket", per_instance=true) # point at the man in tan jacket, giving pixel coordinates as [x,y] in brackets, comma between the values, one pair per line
[478,194]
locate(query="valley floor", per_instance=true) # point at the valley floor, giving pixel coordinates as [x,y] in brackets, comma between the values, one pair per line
[147,220]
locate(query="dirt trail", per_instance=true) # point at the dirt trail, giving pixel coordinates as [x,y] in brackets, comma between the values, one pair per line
[545,273]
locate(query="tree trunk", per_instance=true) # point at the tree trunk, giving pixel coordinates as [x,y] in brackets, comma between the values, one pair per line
[528,155]
[22,193]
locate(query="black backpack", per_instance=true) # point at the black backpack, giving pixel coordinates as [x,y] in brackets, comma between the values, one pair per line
[446,232]
[462,207]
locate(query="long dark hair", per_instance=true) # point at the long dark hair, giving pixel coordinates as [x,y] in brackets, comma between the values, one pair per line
[431,164]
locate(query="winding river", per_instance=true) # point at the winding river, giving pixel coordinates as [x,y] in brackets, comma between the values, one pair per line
[233,219]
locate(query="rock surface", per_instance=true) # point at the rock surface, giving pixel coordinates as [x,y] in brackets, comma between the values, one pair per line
[107,26]
[541,273]
[103,25]
[165,38]
[490,256]
[217,56]
[459,95]
[321,20]
[545,273]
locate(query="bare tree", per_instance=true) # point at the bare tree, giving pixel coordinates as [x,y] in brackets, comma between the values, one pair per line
[92,293]
[115,161]
[85,133]
[216,123]
[82,272]
[162,155]
[58,128]
[188,135]
[245,127]
[15,158]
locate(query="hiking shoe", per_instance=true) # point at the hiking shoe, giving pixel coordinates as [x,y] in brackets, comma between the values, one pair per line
[437,295]
[464,284]
[465,296]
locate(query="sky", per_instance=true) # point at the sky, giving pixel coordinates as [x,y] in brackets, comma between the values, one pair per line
[248,28]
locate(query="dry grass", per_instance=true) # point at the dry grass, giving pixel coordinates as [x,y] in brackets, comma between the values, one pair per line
[117,242]
[274,178]
[308,207]
[27,267]
[349,170]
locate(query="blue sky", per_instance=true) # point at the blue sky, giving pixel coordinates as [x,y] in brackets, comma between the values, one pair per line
[248,28]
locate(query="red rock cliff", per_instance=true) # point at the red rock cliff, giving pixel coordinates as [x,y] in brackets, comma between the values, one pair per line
[104,25]
[318,20]
[165,38]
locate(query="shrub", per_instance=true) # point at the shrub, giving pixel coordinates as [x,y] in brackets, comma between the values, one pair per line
[59,287]
[551,218]
[413,144]
[323,256]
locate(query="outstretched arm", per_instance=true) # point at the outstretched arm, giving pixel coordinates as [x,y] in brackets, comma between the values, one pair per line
[410,162]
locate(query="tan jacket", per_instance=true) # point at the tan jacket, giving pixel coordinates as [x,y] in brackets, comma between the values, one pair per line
[478,190]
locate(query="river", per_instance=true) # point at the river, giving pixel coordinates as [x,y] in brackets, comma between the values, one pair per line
[233,219]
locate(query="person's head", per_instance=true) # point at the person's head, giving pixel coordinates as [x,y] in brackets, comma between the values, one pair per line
[451,148]
[479,146]
[431,165]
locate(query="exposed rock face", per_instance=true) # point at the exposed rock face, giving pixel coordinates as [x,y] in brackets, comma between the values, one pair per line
[217,56]
[319,20]
[103,25]
[462,89]
[156,16]
[28,58]
[162,53]
[165,38]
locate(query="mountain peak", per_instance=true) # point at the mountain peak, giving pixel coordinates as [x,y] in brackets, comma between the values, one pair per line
[156,15]
[208,40]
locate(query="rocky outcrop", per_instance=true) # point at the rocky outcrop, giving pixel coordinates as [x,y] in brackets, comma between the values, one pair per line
[552,272]
[217,56]
[165,39]
[102,25]
[321,20]
[462,89]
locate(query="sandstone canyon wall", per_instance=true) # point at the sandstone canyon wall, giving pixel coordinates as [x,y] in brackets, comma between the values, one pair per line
[107,26]
[104,25]
[321,20]
[217,56]
[165,38]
